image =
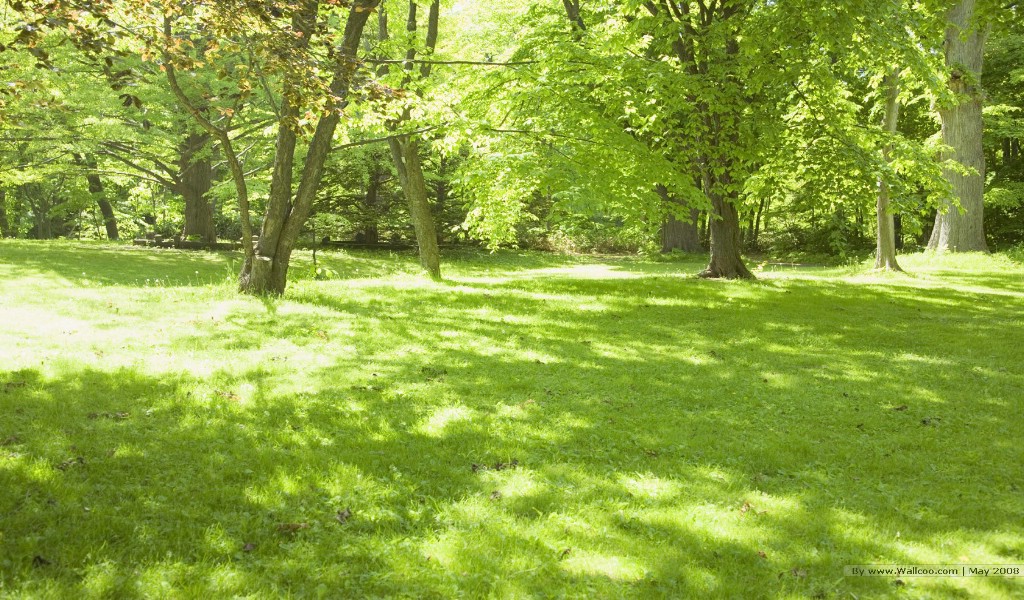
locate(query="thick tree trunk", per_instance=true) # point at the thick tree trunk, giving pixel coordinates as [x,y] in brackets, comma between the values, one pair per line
[405,151]
[885,248]
[196,180]
[681,235]
[726,260]
[678,235]
[961,229]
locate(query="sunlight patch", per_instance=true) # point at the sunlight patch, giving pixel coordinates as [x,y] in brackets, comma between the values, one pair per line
[442,417]
[649,486]
[614,567]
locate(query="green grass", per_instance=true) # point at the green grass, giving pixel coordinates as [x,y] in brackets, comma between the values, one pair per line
[161,436]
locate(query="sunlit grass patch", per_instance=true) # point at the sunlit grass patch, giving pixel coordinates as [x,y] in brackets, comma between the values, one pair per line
[535,426]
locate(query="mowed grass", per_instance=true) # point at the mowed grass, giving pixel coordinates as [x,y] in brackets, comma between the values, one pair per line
[536,426]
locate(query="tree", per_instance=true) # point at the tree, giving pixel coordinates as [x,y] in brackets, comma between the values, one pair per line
[959,224]
[265,269]
[405,148]
[885,252]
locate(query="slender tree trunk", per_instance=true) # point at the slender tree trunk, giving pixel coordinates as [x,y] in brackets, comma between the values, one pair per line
[961,229]
[371,229]
[405,151]
[897,221]
[96,189]
[885,249]
[5,223]
[265,271]
[196,177]
[757,223]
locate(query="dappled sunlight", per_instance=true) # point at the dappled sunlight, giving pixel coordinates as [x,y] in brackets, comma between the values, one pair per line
[681,438]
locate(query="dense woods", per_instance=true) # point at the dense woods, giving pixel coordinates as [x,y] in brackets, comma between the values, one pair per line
[794,128]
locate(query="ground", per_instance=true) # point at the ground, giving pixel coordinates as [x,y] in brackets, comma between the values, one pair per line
[535,426]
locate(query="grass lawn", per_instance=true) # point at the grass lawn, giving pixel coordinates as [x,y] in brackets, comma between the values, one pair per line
[536,426]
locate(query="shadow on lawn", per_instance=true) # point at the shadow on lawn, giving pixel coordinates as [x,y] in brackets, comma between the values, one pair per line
[645,415]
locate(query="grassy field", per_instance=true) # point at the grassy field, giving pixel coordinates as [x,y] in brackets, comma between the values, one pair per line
[536,426]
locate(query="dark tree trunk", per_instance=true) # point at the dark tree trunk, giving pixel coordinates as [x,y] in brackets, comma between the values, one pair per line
[897,228]
[5,223]
[196,179]
[96,189]
[961,229]
[371,229]
[678,235]
[757,223]
[726,260]
[405,151]
[681,235]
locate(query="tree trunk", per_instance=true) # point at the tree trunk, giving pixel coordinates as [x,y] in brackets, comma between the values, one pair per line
[5,223]
[265,271]
[405,151]
[371,229]
[726,260]
[196,180]
[961,229]
[885,249]
[96,189]
[757,223]
[676,234]
[680,235]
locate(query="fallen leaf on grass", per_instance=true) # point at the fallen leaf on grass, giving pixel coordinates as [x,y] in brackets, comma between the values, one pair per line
[343,516]
[495,495]
[901,408]
[564,553]
[39,561]
[10,385]
[762,554]
[248,547]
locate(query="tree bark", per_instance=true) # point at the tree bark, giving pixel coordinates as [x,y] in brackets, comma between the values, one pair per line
[96,189]
[726,260]
[5,223]
[961,228]
[675,234]
[885,248]
[265,272]
[371,228]
[196,180]
[405,151]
